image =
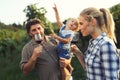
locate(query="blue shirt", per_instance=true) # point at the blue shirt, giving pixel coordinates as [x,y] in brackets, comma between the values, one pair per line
[64,49]
[101,59]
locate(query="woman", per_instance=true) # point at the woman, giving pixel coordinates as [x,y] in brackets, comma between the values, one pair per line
[101,60]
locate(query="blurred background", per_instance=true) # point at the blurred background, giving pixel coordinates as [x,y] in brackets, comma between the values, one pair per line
[13,36]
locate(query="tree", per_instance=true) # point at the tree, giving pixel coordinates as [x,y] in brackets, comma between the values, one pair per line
[115,10]
[33,12]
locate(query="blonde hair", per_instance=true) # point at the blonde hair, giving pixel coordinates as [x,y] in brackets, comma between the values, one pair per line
[104,20]
[76,23]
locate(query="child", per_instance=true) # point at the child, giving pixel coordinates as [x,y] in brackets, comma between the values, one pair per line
[66,34]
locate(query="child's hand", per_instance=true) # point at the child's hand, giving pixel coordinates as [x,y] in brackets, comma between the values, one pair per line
[53,35]
[55,8]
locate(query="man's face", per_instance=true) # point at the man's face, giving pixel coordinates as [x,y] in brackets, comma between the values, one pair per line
[36,29]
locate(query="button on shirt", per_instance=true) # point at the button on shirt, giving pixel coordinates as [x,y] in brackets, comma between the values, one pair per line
[101,59]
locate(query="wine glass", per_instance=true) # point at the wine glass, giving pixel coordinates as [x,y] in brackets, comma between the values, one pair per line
[74,41]
[75,38]
[37,38]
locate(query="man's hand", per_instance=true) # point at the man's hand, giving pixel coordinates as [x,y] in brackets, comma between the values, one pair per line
[37,51]
[64,62]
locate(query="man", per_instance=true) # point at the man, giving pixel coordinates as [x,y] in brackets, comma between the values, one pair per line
[41,56]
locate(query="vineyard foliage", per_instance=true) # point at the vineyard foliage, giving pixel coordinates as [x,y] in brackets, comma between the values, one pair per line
[12,40]
[11,43]
[14,37]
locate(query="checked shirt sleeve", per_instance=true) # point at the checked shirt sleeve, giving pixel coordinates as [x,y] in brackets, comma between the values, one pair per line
[110,61]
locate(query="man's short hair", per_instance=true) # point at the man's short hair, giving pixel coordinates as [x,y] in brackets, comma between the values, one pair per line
[33,22]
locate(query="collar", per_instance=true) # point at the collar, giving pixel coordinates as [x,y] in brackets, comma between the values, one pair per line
[95,41]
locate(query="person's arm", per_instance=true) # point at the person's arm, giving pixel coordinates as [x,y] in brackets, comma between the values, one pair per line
[80,57]
[63,40]
[109,61]
[78,54]
[29,66]
[64,62]
[59,22]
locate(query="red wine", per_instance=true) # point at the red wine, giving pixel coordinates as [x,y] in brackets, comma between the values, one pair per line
[74,42]
[38,41]
[37,38]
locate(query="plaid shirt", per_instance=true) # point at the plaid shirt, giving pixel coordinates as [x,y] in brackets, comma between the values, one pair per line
[101,59]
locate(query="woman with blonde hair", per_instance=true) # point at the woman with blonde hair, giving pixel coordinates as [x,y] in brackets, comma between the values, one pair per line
[101,59]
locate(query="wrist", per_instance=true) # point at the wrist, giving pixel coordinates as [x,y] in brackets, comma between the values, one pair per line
[33,58]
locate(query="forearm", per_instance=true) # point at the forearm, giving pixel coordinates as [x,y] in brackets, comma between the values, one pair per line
[63,40]
[59,22]
[28,67]
[80,57]
[58,19]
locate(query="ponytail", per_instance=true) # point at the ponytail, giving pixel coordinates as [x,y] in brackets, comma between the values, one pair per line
[109,23]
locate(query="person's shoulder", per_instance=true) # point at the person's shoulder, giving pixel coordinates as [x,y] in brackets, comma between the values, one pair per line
[108,43]
[62,27]
[27,45]
[52,40]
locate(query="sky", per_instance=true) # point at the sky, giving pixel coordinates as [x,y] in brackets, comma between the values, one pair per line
[11,11]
